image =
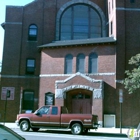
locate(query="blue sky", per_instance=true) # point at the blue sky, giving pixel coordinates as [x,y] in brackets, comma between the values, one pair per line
[3,4]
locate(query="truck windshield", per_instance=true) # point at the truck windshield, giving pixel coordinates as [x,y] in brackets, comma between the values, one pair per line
[44,110]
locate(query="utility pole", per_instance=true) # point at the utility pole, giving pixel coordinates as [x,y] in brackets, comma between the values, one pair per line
[120,101]
[8,93]
[20,106]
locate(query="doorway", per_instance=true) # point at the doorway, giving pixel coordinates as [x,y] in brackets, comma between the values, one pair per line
[81,101]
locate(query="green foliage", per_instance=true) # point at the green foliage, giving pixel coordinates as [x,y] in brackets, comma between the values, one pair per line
[132,80]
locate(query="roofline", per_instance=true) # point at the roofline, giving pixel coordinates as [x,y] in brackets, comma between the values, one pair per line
[79,42]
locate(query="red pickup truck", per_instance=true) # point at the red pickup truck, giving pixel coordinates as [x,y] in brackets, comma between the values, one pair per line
[57,117]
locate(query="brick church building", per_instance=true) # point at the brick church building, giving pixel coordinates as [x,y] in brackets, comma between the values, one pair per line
[71,53]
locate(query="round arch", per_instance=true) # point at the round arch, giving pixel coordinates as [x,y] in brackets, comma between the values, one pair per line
[73,87]
[73,2]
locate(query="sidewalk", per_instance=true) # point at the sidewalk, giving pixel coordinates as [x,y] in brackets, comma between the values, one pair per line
[111,130]
[99,130]
[10,125]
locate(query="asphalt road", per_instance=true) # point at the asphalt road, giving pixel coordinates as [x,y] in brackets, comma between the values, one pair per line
[66,135]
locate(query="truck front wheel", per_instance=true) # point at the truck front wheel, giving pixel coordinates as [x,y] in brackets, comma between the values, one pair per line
[76,129]
[24,125]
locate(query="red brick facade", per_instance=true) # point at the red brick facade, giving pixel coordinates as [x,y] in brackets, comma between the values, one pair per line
[99,91]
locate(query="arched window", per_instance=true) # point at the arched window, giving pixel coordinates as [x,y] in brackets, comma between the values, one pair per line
[80,63]
[68,64]
[93,62]
[80,22]
[32,32]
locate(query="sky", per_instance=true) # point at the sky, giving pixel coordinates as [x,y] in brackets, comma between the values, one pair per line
[3,4]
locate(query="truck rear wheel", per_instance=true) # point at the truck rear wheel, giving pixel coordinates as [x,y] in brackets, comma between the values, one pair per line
[24,125]
[76,129]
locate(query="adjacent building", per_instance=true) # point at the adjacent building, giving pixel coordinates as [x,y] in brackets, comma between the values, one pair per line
[71,53]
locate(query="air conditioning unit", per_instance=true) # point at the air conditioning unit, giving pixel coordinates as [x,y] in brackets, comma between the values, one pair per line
[109,120]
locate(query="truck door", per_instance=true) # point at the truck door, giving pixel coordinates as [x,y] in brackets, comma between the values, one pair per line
[55,117]
[41,117]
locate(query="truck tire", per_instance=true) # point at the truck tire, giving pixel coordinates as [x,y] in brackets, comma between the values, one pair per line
[24,125]
[76,129]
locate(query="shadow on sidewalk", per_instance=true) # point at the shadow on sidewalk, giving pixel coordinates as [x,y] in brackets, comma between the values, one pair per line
[103,134]
[107,134]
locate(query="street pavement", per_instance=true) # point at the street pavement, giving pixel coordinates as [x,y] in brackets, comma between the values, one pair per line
[111,131]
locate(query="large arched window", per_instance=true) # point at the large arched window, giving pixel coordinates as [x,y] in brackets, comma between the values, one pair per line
[93,63]
[80,63]
[80,22]
[68,64]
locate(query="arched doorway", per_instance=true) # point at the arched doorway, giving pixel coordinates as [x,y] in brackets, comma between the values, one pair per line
[79,101]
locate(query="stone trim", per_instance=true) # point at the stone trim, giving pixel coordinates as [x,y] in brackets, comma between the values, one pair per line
[98,94]
[65,6]
[17,23]
[79,74]
[127,9]
[55,75]
[18,76]
[61,93]
[119,81]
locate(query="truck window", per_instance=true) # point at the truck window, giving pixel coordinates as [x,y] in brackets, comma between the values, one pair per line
[54,110]
[44,110]
[64,110]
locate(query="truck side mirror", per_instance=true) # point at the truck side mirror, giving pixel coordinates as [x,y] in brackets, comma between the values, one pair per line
[37,113]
